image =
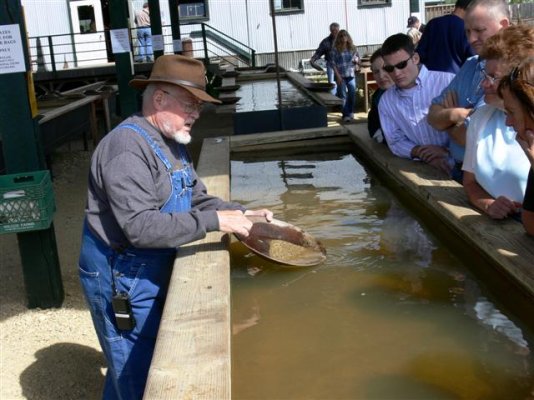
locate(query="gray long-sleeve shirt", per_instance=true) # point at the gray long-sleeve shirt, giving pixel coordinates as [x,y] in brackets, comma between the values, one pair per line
[128,184]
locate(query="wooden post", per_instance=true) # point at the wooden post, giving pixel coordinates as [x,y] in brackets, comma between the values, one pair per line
[155,28]
[175,26]
[118,14]
[22,153]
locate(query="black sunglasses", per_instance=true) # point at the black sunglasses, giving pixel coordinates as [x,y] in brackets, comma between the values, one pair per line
[401,65]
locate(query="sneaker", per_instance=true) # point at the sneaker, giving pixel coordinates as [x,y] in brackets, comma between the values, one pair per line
[347,119]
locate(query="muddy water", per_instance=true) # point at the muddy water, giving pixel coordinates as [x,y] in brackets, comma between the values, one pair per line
[262,95]
[391,314]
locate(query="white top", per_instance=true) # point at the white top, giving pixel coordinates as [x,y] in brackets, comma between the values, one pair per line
[493,155]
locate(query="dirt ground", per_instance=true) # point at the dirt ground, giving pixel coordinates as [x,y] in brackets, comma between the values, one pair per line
[52,353]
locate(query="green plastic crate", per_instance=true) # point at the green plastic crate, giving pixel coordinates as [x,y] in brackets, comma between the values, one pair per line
[26,201]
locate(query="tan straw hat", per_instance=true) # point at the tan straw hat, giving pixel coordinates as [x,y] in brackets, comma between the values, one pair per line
[182,71]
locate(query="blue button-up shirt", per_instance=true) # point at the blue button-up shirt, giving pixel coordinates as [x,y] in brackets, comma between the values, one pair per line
[469,92]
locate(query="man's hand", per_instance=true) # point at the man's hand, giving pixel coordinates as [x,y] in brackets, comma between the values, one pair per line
[234,221]
[431,152]
[268,214]
[501,207]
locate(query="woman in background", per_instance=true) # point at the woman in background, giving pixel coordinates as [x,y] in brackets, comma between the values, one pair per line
[345,59]
[517,92]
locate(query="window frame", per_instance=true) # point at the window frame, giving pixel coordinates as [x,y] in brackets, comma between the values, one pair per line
[195,19]
[289,11]
[374,4]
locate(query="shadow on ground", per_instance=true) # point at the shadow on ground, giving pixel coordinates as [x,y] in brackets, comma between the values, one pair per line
[55,376]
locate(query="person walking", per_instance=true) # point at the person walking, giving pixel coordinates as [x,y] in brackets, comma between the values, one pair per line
[325,49]
[144,201]
[144,34]
[345,60]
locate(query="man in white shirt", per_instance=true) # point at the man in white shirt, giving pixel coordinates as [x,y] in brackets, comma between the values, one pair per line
[404,107]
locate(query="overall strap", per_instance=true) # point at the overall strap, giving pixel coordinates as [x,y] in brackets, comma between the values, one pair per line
[151,142]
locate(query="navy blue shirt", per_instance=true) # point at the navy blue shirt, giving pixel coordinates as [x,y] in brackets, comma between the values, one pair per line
[444,46]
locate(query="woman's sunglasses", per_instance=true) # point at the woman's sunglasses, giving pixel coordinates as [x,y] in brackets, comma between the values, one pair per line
[401,65]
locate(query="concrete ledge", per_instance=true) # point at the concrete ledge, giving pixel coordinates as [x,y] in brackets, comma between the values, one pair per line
[503,243]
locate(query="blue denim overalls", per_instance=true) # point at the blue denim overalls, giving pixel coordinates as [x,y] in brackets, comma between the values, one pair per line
[143,274]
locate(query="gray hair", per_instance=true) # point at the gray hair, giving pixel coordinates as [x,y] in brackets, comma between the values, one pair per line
[497,8]
[334,25]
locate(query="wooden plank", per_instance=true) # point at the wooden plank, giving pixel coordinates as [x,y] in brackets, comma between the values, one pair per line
[503,243]
[192,355]
[284,136]
[297,144]
[58,111]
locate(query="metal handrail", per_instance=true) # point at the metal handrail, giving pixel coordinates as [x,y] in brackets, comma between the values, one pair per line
[63,51]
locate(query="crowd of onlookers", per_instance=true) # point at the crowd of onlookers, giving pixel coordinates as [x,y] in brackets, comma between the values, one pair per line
[458,96]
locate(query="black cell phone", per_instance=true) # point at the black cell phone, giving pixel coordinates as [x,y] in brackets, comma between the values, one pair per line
[123,311]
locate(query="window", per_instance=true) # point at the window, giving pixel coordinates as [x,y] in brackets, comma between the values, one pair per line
[193,9]
[86,16]
[288,6]
[373,3]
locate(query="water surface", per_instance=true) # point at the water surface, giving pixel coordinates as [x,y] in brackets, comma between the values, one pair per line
[391,314]
[262,95]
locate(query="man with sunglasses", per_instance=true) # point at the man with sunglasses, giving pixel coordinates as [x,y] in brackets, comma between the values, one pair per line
[451,110]
[144,201]
[403,108]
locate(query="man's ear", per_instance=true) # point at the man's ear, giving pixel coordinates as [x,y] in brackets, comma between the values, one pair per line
[158,99]
[416,58]
[505,22]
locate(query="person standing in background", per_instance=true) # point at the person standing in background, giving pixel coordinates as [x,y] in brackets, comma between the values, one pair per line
[325,49]
[444,46]
[413,29]
[345,60]
[144,35]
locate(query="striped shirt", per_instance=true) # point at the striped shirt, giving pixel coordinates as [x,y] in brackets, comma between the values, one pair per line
[403,113]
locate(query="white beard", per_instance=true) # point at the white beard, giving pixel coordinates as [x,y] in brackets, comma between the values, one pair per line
[182,138]
[179,137]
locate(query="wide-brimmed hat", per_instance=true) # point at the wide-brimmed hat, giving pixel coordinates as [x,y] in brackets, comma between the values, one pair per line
[182,71]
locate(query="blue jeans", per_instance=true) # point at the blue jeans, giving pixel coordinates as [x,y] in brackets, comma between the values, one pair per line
[348,94]
[144,36]
[331,79]
[142,273]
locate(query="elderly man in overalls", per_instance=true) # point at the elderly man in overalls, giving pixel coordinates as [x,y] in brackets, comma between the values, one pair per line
[144,201]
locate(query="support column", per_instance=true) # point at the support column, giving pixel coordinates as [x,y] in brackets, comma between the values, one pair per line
[155,28]
[175,26]
[22,152]
[118,15]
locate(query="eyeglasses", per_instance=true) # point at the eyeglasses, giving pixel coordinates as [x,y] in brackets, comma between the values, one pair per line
[189,108]
[491,79]
[401,65]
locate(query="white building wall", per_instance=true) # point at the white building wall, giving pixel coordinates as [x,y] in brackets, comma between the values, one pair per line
[46,17]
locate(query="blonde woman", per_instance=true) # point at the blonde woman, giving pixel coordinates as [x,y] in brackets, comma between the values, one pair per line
[517,92]
[345,59]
